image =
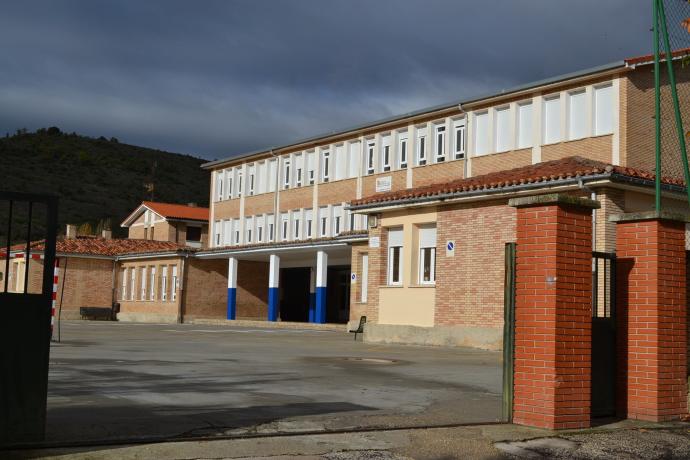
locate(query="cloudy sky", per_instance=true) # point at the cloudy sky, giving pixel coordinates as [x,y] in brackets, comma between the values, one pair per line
[219,78]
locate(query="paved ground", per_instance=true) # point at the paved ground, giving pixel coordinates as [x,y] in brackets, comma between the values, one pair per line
[124,381]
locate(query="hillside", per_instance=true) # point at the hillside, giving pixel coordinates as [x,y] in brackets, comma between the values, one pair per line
[96,179]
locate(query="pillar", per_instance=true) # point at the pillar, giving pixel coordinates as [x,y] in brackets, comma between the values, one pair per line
[312,295]
[321,281]
[273,287]
[553,302]
[652,315]
[232,288]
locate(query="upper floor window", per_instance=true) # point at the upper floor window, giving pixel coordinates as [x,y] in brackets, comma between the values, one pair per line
[309,222]
[239,183]
[371,152]
[228,188]
[459,139]
[481,133]
[272,175]
[427,255]
[323,217]
[325,166]
[260,229]
[552,120]
[236,227]
[386,157]
[421,149]
[440,143]
[284,223]
[577,114]
[219,186]
[249,223]
[251,182]
[295,225]
[402,148]
[503,129]
[271,227]
[217,232]
[337,219]
[524,128]
[603,110]
[311,160]
[286,174]
[395,246]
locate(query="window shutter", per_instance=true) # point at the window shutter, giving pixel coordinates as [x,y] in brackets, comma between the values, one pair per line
[427,237]
[395,237]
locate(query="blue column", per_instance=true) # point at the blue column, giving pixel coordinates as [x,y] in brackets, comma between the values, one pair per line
[321,277]
[273,287]
[232,288]
[312,295]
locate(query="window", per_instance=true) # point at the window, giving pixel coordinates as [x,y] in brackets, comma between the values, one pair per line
[228,189]
[193,234]
[132,283]
[272,175]
[309,219]
[299,167]
[421,149]
[142,274]
[217,233]
[249,228]
[295,225]
[164,284]
[152,284]
[251,181]
[577,109]
[552,120]
[323,217]
[325,166]
[603,110]
[236,227]
[219,185]
[311,161]
[481,133]
[371,151]
[440,143]
[524,128]
[402,147]
[286,174]
[337,219]
[239,184]
[340,163]
[365,278]
[386,158]
[173,294]
[395,240]
[460,139]
[503,129]
[271,229]
[354,160]
[261,177]
[284,225]
[260,229]
[427,255]
[123,289]
[352,220]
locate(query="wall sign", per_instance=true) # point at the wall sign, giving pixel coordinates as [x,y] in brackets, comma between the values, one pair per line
[374,242]
[450,248]
[383,184]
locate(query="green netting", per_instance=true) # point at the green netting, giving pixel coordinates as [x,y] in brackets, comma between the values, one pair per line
[673,31]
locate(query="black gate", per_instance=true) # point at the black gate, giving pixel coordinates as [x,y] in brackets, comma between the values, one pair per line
[603,334]
[25,305]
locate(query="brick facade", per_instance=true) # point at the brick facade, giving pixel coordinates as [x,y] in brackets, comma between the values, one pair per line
[553,316]
[440,172]
[486,164]
[652,316]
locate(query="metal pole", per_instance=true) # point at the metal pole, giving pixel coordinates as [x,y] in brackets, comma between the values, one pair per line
[657,108]
[674,94]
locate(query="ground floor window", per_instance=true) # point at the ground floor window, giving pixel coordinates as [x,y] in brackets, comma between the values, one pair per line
[427,254]
[395,243]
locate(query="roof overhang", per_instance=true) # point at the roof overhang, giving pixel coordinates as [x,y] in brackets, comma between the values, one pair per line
[129,220]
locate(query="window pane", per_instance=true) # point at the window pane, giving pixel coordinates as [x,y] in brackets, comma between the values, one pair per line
[503,129]
[576,115]
[395,275]
[603,109]
[426,264]
[524,126]
[552,120]
[481,136]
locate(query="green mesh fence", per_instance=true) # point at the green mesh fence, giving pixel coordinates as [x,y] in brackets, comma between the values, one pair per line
[672,32]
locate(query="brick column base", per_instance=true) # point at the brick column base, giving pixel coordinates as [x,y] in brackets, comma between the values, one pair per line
[652,315]
[553,304]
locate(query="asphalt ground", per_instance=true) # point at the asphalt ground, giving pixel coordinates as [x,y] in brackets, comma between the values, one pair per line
[118,381]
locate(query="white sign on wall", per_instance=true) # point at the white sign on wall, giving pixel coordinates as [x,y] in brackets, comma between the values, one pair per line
[374,242]
[383,184]
[353,278]
[450,248]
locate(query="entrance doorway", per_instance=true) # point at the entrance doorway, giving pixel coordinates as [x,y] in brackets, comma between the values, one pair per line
[338,301]
[294,294]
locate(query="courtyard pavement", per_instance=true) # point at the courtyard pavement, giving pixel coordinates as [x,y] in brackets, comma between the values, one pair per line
[118,381]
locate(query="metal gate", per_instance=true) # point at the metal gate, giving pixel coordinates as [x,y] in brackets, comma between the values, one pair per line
[25,305]
[603,334]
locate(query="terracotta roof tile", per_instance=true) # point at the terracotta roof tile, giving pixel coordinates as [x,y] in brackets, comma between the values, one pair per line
[650,57]
[178,211]
[94,246]
[539,173]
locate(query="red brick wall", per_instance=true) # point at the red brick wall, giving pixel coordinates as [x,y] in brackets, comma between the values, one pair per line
[553,317]
[652,319]
[469,286]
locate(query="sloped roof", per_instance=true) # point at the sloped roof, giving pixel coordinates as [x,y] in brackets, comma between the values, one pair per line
[168,211]
[94,246]
[540,173]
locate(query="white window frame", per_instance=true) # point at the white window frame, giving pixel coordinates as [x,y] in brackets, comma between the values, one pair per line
[251,182]
[219,185]
[325,165]
[133,283]
[164,284]
[371,155]
[174,284]
[152,283]
[284,227]
[392,248]
[421,150]
[229,175]
[323,222]
[296,227]
[546,125]
[459,134]
[519,121]
[572,116]
[502,112]
[403,145]
[125,278]
[595,115]
[423,247]
[440,138]
[484,137]
[143,283]
[286,173]
[386,158]
[239,184]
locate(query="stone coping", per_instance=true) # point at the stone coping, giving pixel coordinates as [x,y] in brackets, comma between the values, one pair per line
[553,199]
[650,215]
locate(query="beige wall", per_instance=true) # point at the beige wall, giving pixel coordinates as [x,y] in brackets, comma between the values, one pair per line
[149,309]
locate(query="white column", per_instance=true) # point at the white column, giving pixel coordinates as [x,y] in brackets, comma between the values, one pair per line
[321,286]
[232,288]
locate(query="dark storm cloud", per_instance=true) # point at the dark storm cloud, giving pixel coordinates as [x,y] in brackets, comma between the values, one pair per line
[217,78]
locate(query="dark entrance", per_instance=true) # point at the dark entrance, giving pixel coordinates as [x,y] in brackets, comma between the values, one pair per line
[25,326]
[603,334]
[294,298]
[338,301]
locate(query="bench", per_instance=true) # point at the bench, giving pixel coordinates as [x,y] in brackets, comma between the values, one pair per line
[360,328]
[96,313]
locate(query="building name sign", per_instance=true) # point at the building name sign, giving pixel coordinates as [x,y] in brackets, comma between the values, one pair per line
[374,242]
[384,184]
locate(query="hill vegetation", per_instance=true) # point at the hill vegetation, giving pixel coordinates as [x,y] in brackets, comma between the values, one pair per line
[98,180]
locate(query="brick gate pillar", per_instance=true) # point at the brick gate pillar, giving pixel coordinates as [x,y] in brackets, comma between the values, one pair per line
[553,305]
[651,315]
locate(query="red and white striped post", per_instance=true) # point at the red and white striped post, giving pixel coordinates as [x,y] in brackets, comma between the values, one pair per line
[56,273]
